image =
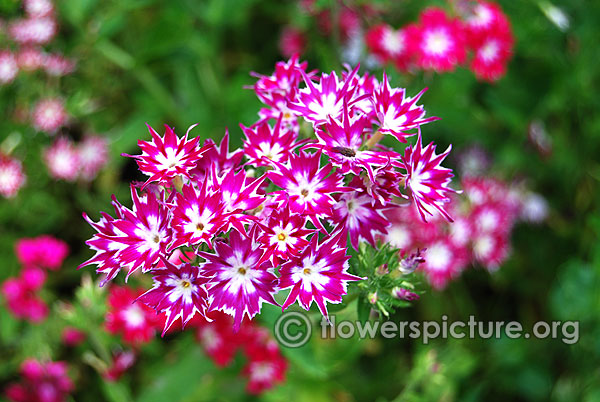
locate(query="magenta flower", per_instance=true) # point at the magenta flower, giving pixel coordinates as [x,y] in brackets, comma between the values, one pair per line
[358,215]
[44,252]
[241,279]
[342,142]
[427,179]
[308,186]
[264,143]
[219,157]
[325,99]
[438,41]
[136,239]
[12,177]
[134,322]
[106,257]
[165,158]
[319,274]
[48,382]
[22,295]
[396,112]
[178,291]
[198,216]
[62,160]
[284,233]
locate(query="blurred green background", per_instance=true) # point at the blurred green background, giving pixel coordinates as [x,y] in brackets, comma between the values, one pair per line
[182,62]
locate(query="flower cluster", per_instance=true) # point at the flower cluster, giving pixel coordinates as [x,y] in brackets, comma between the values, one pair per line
[265,365]
[480,233]
[292,208]
[28,34]
[41,381]
[70,161]
[440,42]
[21,293]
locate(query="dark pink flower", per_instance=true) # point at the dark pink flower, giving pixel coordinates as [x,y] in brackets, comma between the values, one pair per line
[292,41]
[241,279]
[438,41]
[179,291]
[122,361]
[167,157]
[44,252]
[264,143]
[21,295]
[319,274]
[397,113]
[41,382]
[427,180]
[135,322]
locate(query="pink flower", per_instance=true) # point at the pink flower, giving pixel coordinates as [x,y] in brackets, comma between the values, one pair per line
[21,295]
[404,294]
[396,112]
[443,262]
[107,251]
[62,160]
[284,233]
[308,186]
[291,42]
[38,8]
[136,239]
[266,367]
[44,252]
[342,142]
[324,99]
[12,177]
[218,339]
[49,115]
[72,336]
[57,65]
[121,362]
[264,143]
[427,180]
[93,155]
[165,158]
[217,158]
[358,214]
[319,274]
[482,19]
[492,56]
[389,45]
[30,58]
[240,278]
[134,322]
[33,30]
[47,382]
[8,67]
[438,41]
[179,291]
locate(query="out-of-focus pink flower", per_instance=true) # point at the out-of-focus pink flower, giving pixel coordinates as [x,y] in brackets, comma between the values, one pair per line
[62,160]
[8,67]
[73,336]
[49,115]
[38,8]
[292,41]
[33,30]
[21,296]
[30,58]
[12,177]
[122,361]
[57,65]
[93,155]
[134,321]
[44,252]
[41,382]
